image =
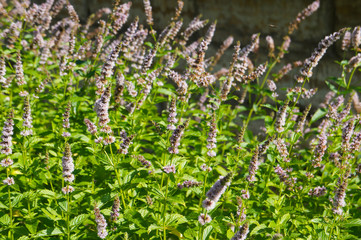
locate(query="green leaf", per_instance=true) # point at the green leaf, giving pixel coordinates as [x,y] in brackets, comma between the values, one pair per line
[256,229]
[320,113]
[32,226]
[76,221]
[51,213]
[48,232]
[175,219]
[47,194]
[16,200]
[285,218]
[352,223]
[5,219]
[207,231]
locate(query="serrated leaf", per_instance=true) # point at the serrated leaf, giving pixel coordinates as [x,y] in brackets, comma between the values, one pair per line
[285,218]
[47,193]
[51,213]
[256,229]
[48,232]
[32,226]
[174,219]
[16,200]
[5,219]
[3,206]
[207,231]
[352,223]
[76,221]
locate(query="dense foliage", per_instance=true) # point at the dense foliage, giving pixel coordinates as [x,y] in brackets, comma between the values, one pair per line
[114,130]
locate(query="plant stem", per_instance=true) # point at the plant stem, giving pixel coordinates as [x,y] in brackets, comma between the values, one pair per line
[67,215]
[165,209]
[349,80]
[118,178]
[11,234]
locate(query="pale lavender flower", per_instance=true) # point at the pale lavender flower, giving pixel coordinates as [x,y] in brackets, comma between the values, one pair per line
[19,72]
[143,161]
[346,41]
[67,164]
[92,128]
[9,181]
[308,11]
[115,209]
[170,168]
[301,122]
[270,45]
[175,139]
[245,194]
[281,118]
[7,133]
[284,47]
[318,191]
[253,166]
[108,140]
[126,141]
[356,37]
[172,115]
[318,53]
[242,232]
[211,140]
[189,184]
[2,70]
[66,116]
[203,219]
[101,223]
[282,149]
[193,26]
[7,162]
[284,177]
[319,151]
[66,134]
[67,189]
[107,69]
[340,194]
[101,107]
[204,167]
[216,191]
[148,12]
[120,16]
[27,119]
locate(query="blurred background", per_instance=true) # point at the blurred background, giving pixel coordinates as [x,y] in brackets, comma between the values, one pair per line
[242,18]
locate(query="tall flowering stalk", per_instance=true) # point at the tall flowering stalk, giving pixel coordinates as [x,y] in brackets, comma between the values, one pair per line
[66,124]
[172,115]
[253,166]
[318,53]
[338,201]
[216,191]
[308,11]
[211,140]
[242,232]
[101,223]
[27,119]
[68,168]
[175,139]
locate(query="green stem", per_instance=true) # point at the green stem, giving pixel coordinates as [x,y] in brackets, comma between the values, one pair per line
[11,235]
[165,209]
[68,215]
[349,80]
[118,178]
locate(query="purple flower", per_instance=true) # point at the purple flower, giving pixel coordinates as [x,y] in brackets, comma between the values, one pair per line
[170,168]
[9,181]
